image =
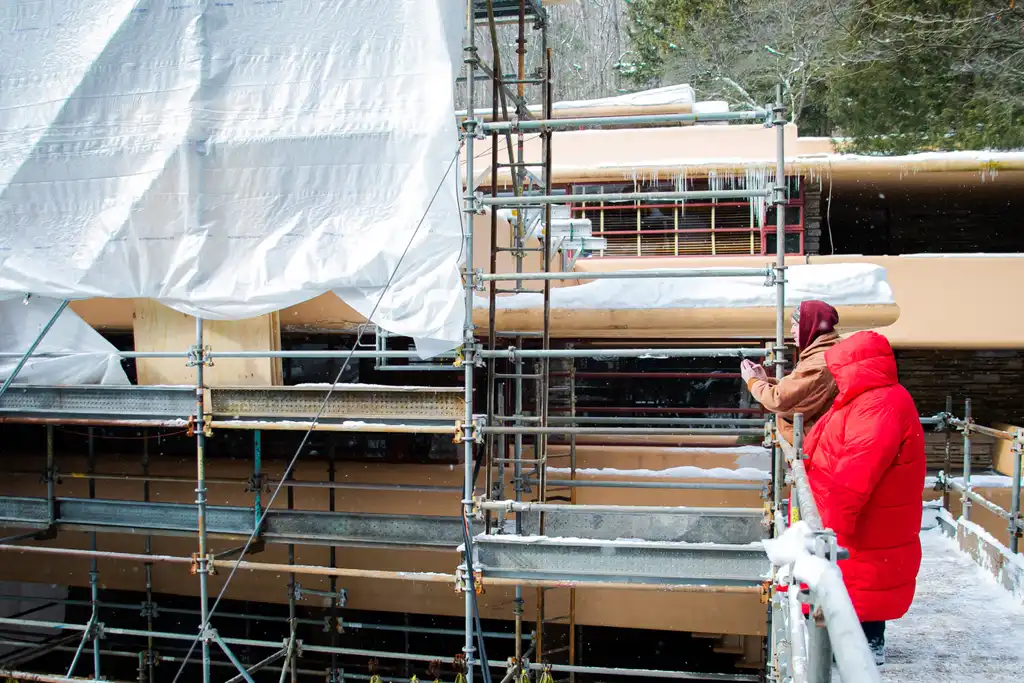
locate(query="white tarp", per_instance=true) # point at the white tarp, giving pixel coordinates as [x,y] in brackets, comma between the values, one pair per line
[840,284]
[95,360]
[233,158]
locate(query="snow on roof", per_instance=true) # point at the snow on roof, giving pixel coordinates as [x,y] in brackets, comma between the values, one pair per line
[840,284]
[681,95]
[656,97]
[910,163]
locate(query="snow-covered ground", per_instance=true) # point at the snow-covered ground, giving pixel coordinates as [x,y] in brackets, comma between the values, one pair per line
[962,628]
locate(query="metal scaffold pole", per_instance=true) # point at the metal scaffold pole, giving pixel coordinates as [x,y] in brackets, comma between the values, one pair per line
[199,358]
[148,663]
[773,641]
[966,500]
[779,123]
[469,337]
[94,571]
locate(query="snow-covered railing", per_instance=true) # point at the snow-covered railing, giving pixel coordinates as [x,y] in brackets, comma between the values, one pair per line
[804,557]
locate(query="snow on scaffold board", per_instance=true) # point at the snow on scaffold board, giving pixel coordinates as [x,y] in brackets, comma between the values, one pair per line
[840,284]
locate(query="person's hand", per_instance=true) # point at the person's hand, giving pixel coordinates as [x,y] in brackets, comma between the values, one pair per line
[750,370]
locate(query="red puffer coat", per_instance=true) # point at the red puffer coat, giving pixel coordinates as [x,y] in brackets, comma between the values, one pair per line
[866,468]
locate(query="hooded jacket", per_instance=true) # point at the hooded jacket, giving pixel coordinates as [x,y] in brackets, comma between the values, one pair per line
[866,468]
[809,389]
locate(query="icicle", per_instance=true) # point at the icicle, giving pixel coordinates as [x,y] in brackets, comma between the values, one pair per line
[762,178]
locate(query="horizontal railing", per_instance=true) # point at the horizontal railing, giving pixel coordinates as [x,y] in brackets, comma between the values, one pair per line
[968,427]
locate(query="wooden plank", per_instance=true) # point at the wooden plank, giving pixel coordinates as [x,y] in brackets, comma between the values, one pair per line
[277,366]
[1002,458]
[159,328]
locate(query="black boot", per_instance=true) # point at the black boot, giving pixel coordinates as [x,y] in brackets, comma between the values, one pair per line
[874,631]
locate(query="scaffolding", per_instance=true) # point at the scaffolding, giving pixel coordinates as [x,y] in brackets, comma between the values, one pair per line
[515,526]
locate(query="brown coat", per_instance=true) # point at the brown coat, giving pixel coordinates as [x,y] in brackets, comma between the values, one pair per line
[809,389]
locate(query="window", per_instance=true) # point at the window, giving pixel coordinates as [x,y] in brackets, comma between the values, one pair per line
[693,228]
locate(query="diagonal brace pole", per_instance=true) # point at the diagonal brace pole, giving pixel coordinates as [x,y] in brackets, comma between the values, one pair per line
[260,665]
[289,653]
[242,671]
[89,631]
[16,659]
[33,347]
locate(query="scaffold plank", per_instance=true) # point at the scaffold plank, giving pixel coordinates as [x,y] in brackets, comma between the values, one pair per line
[638,562]
[174,405]
[346,402]
[22,402]
[308,527]
[690,528]
[300,527]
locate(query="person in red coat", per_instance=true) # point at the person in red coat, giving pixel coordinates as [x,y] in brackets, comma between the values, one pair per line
[866,468]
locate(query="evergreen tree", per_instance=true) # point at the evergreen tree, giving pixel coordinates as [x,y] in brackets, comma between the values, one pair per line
[890,76]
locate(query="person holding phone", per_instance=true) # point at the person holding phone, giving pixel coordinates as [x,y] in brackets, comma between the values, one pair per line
[809,388]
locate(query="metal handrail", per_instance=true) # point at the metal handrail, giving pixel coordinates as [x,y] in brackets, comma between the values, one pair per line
[807,506]
[809,659]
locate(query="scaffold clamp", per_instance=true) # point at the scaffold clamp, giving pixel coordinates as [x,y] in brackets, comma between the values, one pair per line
[460,582]
[211,569]
[50,474]
[775,355]
[1016,526]
[197,356]
[339,624]
[942,424]
[257,482]
[768,515]
[475,204]
[475,511]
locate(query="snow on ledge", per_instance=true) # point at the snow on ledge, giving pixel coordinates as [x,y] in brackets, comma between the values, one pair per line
[351,386]
[979,531]
[840,284]
[618,542]
[682,472]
